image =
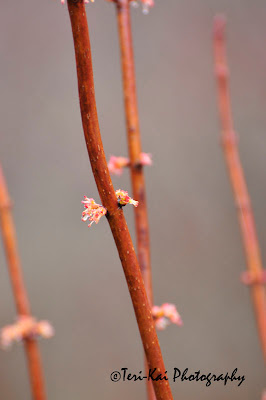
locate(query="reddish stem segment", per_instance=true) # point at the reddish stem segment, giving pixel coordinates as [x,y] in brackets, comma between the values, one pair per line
[134,148]
[20,294]
[103,181]
[243,203]
[134,142]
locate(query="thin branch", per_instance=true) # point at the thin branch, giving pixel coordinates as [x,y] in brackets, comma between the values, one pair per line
[134,141]
[106,191]
[19,291]
[239,186]
[134,148]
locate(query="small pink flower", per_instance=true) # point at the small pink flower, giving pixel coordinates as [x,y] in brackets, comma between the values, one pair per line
[166,314]
[123,198]
[93,211]
[116,164]
[25,327]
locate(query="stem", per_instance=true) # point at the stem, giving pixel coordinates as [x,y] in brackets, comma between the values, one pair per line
[236,174]
[19,291]
[106,191]
[134,148]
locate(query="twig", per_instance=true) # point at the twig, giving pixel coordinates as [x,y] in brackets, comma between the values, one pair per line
[243,203]
[20,294]
[134,148]
[106,191]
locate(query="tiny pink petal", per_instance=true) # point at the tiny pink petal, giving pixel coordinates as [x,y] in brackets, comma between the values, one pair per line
[145,159]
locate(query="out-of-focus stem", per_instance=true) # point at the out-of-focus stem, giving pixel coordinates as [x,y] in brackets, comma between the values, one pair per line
[20,294]
[134,148]
[106,191]
[239,186]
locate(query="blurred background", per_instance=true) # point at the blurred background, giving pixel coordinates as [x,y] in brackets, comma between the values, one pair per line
[73,273]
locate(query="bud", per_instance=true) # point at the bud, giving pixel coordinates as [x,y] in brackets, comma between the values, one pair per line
[123,198]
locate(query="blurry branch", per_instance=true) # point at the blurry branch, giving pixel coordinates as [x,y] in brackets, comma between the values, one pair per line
[134,148]
[20,295]
[134,142]
[106,191]
[255,276]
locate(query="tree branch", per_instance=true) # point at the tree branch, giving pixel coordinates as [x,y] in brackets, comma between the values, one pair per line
[20,294]
[239,186]
[134,148]
[115,214]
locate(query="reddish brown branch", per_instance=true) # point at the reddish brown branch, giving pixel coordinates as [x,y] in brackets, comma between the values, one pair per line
[243,203]
[20,294]
[134,141]
[103,181]
[134,148]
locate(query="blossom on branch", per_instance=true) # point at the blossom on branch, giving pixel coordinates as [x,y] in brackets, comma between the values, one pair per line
[253,278]
[165,315]
[25,327]
[116,164]
[123,198]
[93,211]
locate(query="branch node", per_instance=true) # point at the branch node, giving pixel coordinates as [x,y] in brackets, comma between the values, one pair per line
[116,164]
[221,71]
[7,205]
[26,327]
[253,278]
[229,139]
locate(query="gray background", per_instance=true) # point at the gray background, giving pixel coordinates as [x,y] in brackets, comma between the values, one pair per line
[73,274]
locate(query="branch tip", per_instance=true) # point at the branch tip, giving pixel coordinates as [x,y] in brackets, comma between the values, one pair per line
[219,26]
